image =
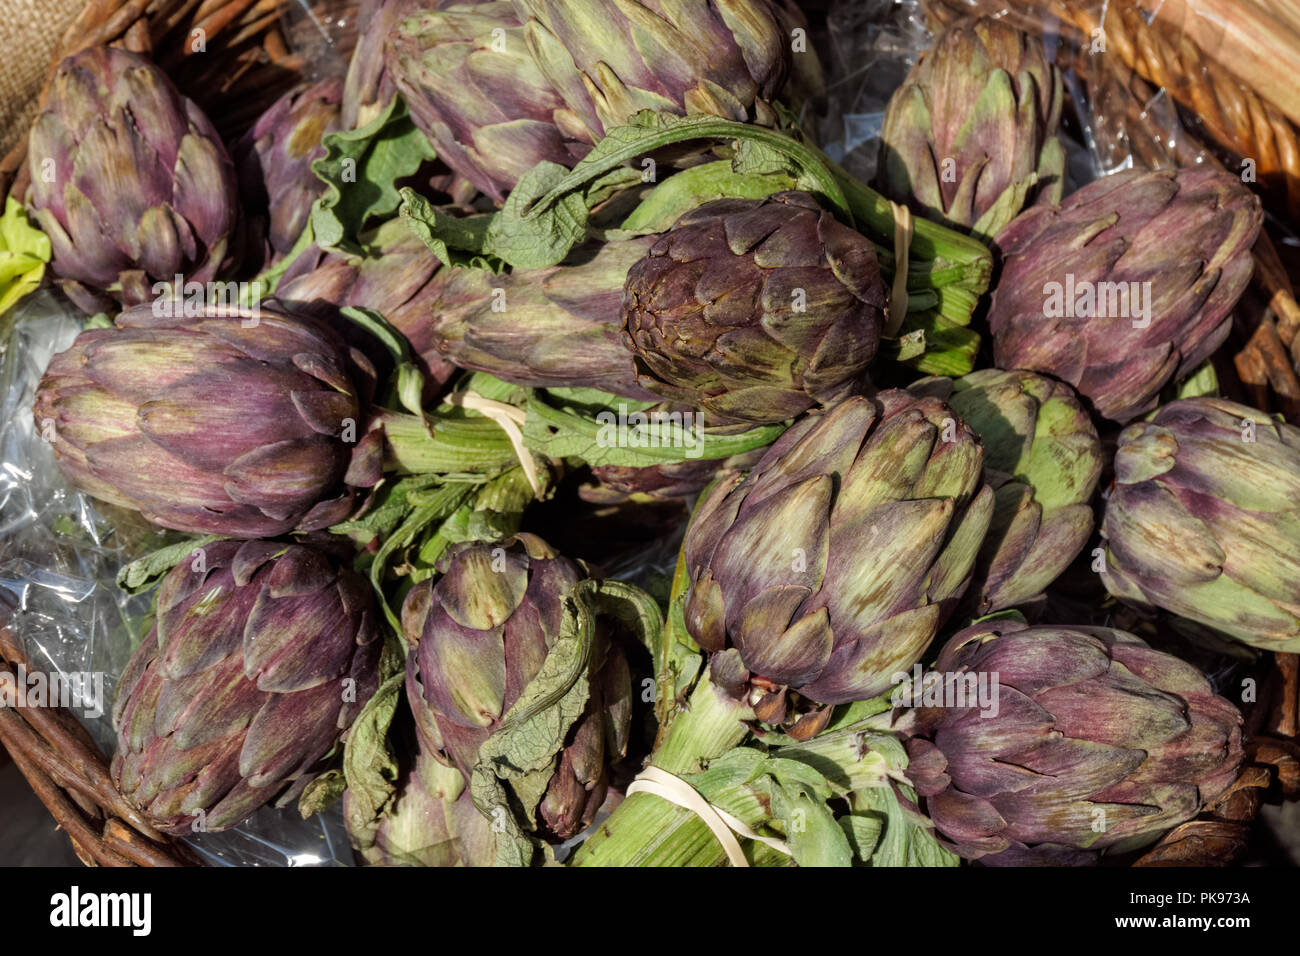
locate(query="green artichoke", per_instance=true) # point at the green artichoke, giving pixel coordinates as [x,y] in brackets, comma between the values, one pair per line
[129,180]
[1086,741]
[465,73]
[755,310]
[234,423]
[1204,520]
[477,639]
[1042,457]
[260,657]
[834,563]
[1126,286]
[542,328]
[274,158]
[969,139]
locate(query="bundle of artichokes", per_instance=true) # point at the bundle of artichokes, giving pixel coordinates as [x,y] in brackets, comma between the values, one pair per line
[531,268]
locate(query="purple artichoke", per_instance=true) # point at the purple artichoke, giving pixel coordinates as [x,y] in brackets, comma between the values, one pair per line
[833,564]
[398,278]
[259,659]
[274,159]
[970,137]
[129,180]
[478,637]
[208,425]
[1204,520]
[1089,742]
[755,310]
[471,85]
[1126,286]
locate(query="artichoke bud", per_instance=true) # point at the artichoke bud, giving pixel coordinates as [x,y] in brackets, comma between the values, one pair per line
[1204,520]
[1055,745]
[755,310]
[239,424]
[142,188]
[479,636]
[244,683]
[832,564]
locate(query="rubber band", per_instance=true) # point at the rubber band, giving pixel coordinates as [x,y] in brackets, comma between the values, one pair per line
[898,292]
[677,791]
[511,420]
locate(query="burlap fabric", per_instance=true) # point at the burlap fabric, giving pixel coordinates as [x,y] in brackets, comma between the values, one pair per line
[29,32]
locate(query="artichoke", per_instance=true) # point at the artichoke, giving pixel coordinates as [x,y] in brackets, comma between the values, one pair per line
[1090,742]
[755,310]
[471,85]
[478,637]
[541,328]
[260,657]
[432,821]
[274,158]
[611,60]
[129,180]
[237,424]
[398,278]
[1043,459]
[1204,520]
[1127,285]
[834,563]
[368,87]
[969,139]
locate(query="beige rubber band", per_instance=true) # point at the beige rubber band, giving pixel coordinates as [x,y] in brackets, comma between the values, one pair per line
[678,792]
[898,293]
[511,421]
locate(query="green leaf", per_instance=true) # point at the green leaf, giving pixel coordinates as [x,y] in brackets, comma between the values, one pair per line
[455,240]
[24,251]
[369,767]
[322,793]
[907,838]
[863,833]
[143,573]
[360,169]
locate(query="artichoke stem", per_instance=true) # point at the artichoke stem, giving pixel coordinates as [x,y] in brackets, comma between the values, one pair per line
[646,830]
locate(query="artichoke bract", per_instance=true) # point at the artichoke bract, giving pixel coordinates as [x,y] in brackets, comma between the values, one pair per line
[478,637]
[472,87]
[398,277]
[368,87]
[1042,457]
[834,563]
[431,822]
[541,328]
[129,180]
[1084,740]
[274,160]
[610,60]
[235,423]
[755,310]
[1127,285]
[969,139]
[1204,520]
[260,657]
